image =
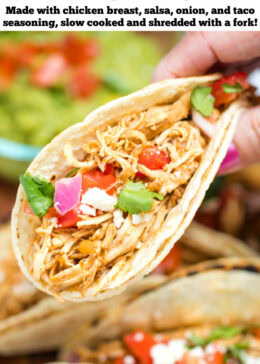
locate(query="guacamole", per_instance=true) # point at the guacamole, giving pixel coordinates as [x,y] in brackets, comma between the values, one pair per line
[34,115]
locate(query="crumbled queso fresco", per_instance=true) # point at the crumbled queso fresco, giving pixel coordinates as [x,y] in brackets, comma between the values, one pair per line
[99,199]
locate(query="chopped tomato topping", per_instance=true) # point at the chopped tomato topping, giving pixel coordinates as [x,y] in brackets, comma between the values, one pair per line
[50,71]
[139,344]
[83,83]
[8,70]
[189,359]
[171,262]
[69,219]
[215,358]
[152,158]
[79,51]
[95,178]
[26,53]
[221,97]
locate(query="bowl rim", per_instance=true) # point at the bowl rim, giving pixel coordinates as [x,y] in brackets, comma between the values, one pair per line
[18,151]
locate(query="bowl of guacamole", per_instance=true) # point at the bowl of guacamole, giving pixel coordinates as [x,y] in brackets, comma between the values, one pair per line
[51,80]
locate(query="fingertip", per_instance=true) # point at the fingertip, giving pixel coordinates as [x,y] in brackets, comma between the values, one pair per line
[247,136]
[161,72]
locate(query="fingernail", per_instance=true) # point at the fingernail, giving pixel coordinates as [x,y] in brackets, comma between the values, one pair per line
[231,162]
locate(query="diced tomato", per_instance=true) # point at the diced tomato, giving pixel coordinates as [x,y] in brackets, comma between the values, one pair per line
[189,359]
[79,51]
[215,358]
[119,360]
[83,83]
[27,52]
[52,212]
[122,360]
[109,169]
[50,71]
[7,73]
[153,158]
[139,344]
[92,48]
[95,178]
[69,219]
[171,262]
[221,97]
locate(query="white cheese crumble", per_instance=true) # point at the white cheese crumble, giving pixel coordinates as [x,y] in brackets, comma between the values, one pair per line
[248,359]
[118,218]
[168,354]
[87,210]
[254,80]
[24,288]
[128,359]
[99,199]
[138,219]
[198,353]
[211,349]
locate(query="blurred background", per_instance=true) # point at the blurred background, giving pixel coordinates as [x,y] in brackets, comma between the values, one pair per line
[50,80]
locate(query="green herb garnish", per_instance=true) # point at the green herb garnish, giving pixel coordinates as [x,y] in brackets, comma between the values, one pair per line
[222,332]
[72,173]
[202,100]
[135,198]
[235,351]
[230,89]
[39,193]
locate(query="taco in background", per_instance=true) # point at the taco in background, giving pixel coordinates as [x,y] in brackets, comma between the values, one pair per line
[103,204]
[208,314]
[32,322]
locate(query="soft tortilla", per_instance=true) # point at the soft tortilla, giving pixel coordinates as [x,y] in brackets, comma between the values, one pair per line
[50,163]
[220,292]
[48,323]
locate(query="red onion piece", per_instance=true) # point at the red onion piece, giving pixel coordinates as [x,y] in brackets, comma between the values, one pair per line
[203,123]
[67,193]
[231,160]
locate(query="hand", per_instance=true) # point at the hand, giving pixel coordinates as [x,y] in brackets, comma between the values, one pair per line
[203,52]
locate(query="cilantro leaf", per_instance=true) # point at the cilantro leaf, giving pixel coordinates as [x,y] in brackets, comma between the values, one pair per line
[202,100]
[39,193]
[135,198]
[230,89]
[222,332]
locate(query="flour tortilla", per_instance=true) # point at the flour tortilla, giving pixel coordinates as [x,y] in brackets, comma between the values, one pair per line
[49,323]
[220,292]
[45,325]
[51,164]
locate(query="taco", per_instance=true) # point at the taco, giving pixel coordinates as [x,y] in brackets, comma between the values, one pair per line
[31,321]
[209,315]
[106,200]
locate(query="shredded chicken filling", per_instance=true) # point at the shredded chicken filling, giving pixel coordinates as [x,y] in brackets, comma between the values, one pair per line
[75,257]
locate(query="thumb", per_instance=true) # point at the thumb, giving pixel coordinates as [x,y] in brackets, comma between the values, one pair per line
[246,142]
